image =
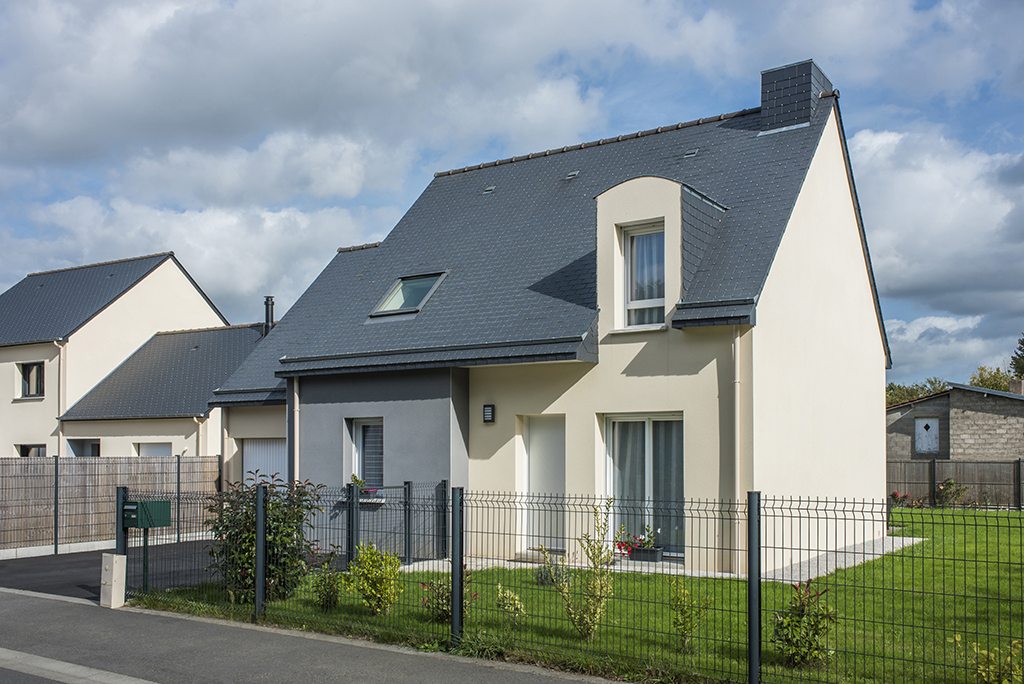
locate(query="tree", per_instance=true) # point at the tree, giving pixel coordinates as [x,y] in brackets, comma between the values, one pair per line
[1017,360]
[991,378]
[896,393]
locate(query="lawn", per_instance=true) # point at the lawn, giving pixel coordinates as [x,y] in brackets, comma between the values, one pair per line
[897,616]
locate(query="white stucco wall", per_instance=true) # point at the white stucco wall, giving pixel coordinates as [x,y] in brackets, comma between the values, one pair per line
[818,356]
[118,438]
[163,300]
[248,422]
[28,420]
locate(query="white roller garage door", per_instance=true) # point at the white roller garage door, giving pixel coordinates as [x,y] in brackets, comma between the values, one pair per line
[268,456]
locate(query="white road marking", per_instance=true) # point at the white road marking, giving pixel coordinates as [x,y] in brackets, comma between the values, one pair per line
[59,671]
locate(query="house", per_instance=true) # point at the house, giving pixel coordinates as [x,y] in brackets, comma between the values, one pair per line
[656,315]
[156,402]
[63,331]
[964,423]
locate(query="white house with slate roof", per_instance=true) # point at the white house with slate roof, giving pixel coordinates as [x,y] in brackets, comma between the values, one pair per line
[156,402]
[655,315]
[62,332]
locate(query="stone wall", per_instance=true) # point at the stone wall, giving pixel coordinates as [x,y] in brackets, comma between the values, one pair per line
[899,428]
[985,427]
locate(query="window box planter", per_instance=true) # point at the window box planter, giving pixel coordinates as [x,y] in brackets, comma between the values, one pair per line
[648,555]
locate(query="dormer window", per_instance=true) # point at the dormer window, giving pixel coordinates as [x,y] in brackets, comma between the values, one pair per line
[408,294]
[644,251]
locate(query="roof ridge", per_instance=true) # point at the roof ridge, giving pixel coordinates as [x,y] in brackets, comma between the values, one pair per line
[216,327]
[356,248]
[603,141]
[101,263]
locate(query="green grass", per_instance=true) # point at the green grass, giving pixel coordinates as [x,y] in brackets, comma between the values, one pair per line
[897,615]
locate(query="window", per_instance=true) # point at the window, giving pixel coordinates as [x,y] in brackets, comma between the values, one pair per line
[644,252]
[408,295]
[154,449]
[32,380]
[645,455]
[31,450]
[368,463]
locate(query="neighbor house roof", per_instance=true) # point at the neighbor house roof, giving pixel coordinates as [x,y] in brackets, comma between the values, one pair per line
[52,305]
[173,375]
[516,239]
[956,385]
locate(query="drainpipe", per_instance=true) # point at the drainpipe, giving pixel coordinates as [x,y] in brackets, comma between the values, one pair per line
[60,396]
[199,437]
[736,450]
[295,431]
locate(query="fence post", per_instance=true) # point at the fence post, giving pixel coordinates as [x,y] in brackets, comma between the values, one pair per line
[1018,484]
[932,482]
[56,501]
[442,519]
[178,497]
[352,524]
[261,549]
[753,587]
[457,539]
[121,534]
[407,521]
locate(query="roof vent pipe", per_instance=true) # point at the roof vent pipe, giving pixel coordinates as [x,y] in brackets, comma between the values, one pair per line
[268,322]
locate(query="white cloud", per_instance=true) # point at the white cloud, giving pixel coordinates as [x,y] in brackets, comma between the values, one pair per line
[947,346]
[235,255]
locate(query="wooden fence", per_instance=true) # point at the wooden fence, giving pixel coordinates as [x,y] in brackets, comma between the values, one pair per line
[56,502]
[987,483]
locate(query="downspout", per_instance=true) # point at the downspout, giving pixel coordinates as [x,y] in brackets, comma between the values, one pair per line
[295,430]
[737,452]
[60,396]
[199,436]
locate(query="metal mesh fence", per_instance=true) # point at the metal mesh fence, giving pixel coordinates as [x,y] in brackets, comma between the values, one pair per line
[849,591]
[58,502]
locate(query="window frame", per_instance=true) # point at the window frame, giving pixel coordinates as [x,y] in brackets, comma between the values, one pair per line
[408,310]
[26,381]
[358,452]
[628,233]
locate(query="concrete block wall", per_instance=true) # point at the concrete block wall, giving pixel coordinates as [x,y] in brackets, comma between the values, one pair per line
[899,428]
[985,427]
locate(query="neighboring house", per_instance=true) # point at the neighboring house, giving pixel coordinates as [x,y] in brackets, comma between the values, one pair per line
[63,331]
[962,423]
[156,402]
[659,315]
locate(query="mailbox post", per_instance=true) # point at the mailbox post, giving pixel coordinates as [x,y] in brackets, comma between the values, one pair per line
[144,515]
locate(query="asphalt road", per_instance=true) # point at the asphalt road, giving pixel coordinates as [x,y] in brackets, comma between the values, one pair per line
[48,638]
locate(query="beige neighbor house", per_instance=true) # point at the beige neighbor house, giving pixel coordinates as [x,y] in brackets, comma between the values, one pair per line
[62,332]
[156,402]
[654,316]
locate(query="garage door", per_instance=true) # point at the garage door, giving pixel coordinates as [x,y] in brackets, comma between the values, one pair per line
[268,456]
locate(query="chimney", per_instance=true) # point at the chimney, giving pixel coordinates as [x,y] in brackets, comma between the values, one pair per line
[268,322]
[1016,386]
[790,94]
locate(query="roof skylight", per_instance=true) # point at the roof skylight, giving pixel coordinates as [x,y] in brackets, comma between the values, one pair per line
[408,294]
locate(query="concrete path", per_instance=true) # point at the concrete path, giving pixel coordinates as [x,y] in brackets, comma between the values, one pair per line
[45,638]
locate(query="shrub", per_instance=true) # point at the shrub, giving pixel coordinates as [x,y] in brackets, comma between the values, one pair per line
[550,574]
[801,631]
[374,575]
[509,605]
[438,600]
[327,582]
[687,612]
[998,665]
[288,508]
[585,606]
[949,493]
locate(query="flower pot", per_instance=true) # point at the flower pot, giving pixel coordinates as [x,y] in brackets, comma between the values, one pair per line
[646,554]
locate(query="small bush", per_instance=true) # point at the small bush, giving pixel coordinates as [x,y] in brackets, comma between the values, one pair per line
[687,612]
[326,587]
[550,574]
[438,600]
[997,665]
[374,575]
[801,631]
[288,508]
[509,605]
[949,493]
[586,604]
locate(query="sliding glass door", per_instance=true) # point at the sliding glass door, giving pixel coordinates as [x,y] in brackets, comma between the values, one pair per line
[646,464]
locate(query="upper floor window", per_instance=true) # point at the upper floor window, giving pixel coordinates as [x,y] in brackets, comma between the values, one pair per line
[409,294]
[644,251]
[32,379]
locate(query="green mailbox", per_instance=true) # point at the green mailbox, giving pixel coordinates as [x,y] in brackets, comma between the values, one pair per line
[145,514]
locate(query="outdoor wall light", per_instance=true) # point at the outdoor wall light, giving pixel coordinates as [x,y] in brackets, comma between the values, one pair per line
[488,413]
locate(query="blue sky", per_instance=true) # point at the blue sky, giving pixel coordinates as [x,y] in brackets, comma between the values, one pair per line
[254,137]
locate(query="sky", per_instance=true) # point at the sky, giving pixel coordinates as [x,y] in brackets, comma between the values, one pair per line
[255,137]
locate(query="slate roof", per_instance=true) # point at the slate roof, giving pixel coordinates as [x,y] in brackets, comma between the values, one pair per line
[52,305]
[517,239]
[173,375]
[956,385]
